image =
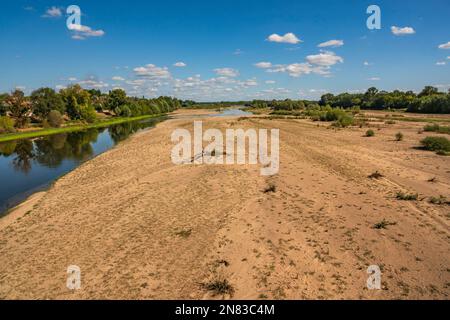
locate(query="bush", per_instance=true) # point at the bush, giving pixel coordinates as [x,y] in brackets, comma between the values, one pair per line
[436,128]
[6,125]
[88,114]
[439,144]
[370,133]
[55,119]
[407,197]
[399,136]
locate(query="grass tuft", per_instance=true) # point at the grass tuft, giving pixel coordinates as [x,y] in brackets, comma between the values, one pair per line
[407,197]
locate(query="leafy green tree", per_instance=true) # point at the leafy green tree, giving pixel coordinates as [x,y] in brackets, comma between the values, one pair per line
[116,98]
[428,91]
[19,108]
[45,100]
[77,102]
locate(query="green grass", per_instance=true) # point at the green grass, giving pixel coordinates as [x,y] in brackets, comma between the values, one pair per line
[437,128]
[71,128]
[410,119]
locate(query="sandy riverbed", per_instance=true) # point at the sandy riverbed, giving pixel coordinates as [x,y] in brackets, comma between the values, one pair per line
[140,227]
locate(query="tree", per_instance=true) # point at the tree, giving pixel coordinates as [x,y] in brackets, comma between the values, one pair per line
[116,99]
[19,108]
[76,99]
[45,100]
[3,107]
[428,91]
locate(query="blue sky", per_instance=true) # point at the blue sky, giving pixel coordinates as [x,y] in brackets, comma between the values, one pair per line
[135,45]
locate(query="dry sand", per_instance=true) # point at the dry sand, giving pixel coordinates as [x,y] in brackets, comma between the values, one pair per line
[140,227]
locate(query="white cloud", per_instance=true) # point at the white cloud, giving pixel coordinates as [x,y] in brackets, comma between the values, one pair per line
[238,52]
[117,78]
[82,32]
[270,82]
[53,12]
[60,87]
[152,72]
[287,38]
[374,79]
[72,79]
[93,83]
[21,88]
[445,45]
[441,63]
[226,72]
[179,64]
[402,31]
[326,58]
[366,63]
[332,43]
[263,65]
[448,58]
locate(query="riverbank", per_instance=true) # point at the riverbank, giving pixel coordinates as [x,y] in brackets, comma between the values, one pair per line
[72,128]
[140,227]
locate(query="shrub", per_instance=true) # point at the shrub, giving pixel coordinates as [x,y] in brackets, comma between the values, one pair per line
[399,136]
[55,119]
[370,133]
[6,125]
[219,287]
[436,128]
[439,200]
[376,175]
[384,224]
[407,197]
[88,114]
[270,188]
[436,144]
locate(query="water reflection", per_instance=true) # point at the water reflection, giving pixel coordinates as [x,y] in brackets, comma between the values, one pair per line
[31,164]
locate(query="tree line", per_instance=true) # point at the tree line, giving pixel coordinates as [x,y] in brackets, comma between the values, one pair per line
[429,100]
[50,108]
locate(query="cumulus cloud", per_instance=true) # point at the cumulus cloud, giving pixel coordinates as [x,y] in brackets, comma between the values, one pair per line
[270,82]
[287,38]
[117,78]
[398,31]
[82,32]
[53,12]
[326,58]
[179,64]
[367,63]
[441,63]
[226,72]
[152,72]
[445,45]
[263,65]
[374,79]
[92,83]
[332,43]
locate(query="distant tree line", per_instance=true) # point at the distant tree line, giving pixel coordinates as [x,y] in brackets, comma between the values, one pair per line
[50,108]
[429,100]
